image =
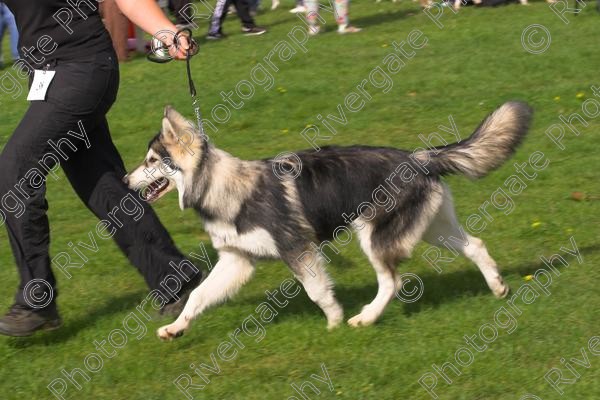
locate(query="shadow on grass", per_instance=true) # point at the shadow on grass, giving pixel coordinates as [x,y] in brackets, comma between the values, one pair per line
[381,18]
[439,289]
[72,327]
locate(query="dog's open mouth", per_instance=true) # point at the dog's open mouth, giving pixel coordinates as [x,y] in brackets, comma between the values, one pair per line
[155,189]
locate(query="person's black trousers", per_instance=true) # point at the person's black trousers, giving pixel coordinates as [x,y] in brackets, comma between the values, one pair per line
[181,10]
[78,99]
[243,10]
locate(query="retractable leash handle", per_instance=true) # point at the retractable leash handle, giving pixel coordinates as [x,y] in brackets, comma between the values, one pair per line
[159,53]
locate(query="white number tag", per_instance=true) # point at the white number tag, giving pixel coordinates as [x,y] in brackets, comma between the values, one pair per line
[39,87]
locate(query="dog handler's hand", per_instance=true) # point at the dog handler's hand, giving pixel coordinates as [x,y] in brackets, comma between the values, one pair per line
[148,16]
[180,47]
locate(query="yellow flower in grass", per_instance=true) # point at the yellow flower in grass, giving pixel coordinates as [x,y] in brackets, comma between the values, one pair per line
[281,90]
[285,130]
[580,95]
[557,98]
[528,277]
[536,224]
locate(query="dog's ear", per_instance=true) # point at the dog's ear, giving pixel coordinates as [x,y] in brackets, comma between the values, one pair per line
[176,119]
[168,130]
[172,114]
[179,133]
[173,124]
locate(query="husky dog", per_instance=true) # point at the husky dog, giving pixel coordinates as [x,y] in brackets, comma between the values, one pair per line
[392,199]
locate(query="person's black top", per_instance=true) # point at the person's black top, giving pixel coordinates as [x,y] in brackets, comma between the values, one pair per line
[58,30]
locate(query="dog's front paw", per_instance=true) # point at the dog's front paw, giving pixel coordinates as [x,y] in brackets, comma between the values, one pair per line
[168,333]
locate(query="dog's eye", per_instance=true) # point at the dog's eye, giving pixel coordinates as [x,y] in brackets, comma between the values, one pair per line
[152,160]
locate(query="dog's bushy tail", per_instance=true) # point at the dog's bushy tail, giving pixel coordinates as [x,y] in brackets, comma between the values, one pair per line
[492,143]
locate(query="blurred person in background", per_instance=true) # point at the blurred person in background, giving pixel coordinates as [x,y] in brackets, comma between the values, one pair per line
[76,47]
[181,9]
[341,17]
[255,5]
[299,7]
[7,23]
[249,28]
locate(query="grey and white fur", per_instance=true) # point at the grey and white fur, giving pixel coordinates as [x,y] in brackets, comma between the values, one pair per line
[251,213]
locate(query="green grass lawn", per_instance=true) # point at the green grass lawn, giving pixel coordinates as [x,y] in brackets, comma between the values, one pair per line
[469,67]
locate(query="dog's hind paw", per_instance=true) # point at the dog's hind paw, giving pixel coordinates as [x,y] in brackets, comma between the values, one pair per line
[165,335]
[502,291]
[499,288]
[331,325]
[362,319]
[335,316]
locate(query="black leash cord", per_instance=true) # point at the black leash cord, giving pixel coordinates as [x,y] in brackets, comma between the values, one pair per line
[195,103]
[191,51]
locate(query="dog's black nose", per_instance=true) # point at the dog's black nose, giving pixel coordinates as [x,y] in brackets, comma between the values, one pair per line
[126,180]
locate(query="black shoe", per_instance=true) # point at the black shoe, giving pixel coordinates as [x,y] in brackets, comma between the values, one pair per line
[253,30]
[23,321]
[175,308]
[215,36]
